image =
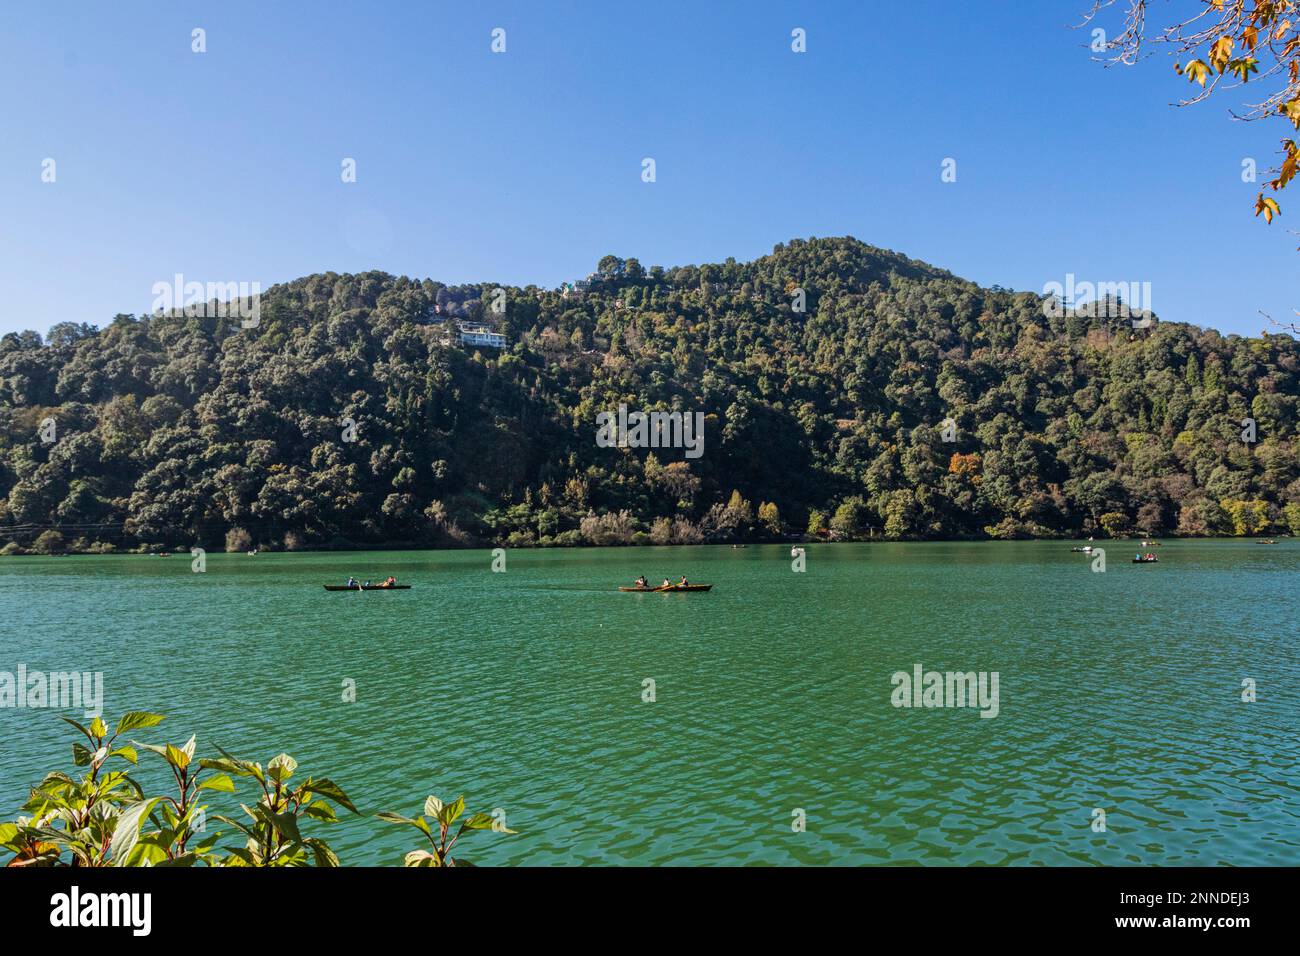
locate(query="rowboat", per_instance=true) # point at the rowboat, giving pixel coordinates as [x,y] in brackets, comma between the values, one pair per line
[671,587]
[1146,560]
[368,587]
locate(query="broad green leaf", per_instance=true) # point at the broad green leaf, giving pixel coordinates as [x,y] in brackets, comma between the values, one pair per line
[75,724]
[287,824]
[147,853]
[126,832]
[58,777]
[220,782]
[126,753]
[98,728]
[482,821]
[176,757]
[320,810]
[325,857]
[281,768]
[260,813]
[433,807]
[447,816]
[250,768]
[135,719]
[329,790]
[226,765]
[246,830]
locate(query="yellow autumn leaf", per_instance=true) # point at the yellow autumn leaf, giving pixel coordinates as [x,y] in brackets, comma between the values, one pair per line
[1268,207]
[1220,51]
[1291,110]
[1289,165]
[1197,71]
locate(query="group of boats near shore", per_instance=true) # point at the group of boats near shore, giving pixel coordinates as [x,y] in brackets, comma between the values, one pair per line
[642,586]
[390,584]
[1148,557]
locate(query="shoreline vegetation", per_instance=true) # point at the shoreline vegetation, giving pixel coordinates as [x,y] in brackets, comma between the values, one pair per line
[789,540]
[845,391]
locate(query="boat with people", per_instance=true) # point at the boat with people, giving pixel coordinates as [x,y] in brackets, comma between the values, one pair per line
[1147,558]
[388,584]
[643,586]
[368,587]
[669,589]
[1086,549]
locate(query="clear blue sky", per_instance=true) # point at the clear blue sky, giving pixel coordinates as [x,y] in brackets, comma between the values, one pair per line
[526,166]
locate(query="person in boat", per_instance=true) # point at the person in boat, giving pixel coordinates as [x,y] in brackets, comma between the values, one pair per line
[352,582]
[367,584]
[666,584]
[389,581]
[641,582]
[683,582]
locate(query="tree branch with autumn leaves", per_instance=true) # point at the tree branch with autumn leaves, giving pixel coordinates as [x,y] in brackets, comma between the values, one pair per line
[1226,45]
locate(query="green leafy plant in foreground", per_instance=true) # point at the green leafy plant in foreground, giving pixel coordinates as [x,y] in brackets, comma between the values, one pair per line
[274,834]
[105,819]
[444,815]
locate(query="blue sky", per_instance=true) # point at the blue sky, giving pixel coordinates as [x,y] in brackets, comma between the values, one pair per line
[526,166]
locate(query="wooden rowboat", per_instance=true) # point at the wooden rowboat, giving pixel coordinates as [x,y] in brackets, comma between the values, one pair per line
[669,589]
[368,587]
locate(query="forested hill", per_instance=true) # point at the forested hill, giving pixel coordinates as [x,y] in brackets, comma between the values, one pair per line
[174,431]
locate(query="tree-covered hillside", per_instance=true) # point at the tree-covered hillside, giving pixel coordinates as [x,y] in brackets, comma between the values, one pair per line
[352,414]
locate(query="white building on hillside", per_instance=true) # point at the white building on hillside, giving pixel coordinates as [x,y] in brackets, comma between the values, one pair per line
[475,333]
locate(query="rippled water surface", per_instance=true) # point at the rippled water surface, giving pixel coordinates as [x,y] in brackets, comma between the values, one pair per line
[523,690]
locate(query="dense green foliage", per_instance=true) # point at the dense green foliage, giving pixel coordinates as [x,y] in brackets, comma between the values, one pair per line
[175,431]
[105,817]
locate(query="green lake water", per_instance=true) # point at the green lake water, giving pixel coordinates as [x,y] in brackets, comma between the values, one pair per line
[523,690]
